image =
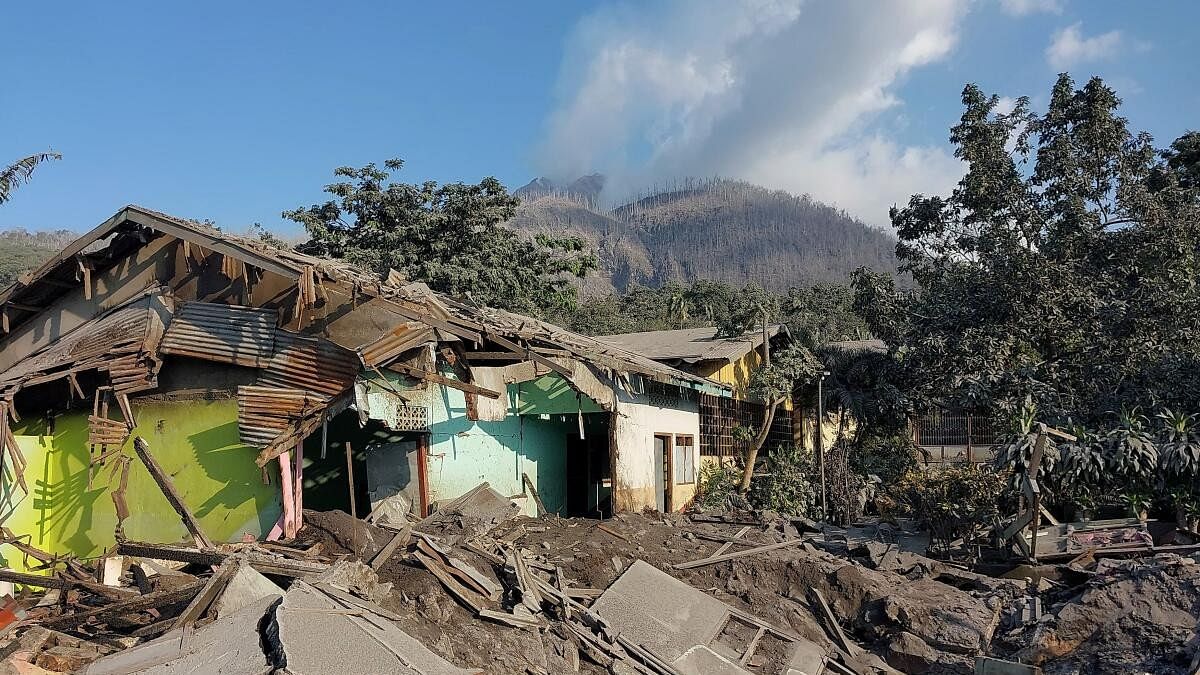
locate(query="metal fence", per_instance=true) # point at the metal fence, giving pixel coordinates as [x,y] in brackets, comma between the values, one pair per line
[954,436]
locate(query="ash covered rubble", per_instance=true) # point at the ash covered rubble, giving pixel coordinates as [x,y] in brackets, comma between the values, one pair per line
[475,588]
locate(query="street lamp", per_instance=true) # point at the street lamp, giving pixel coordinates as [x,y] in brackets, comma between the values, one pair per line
[821,439]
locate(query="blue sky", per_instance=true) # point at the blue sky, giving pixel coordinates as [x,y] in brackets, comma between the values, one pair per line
[236,111]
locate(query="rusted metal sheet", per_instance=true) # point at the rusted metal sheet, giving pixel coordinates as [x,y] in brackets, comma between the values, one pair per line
[111,342]
[309,364]
[243,336]
[266,412]
[400,339]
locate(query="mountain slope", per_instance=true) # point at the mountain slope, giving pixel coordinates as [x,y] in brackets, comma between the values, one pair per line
[719,229]
[21,251]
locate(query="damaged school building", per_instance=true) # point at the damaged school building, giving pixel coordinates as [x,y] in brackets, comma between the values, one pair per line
[263,382]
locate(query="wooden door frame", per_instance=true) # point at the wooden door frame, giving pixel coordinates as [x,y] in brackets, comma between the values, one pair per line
[668,471]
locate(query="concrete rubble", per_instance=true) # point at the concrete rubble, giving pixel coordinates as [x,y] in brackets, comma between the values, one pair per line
[479,590]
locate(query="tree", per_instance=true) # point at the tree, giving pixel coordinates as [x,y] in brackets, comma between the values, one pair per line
[20,171]
[1065,266]
[448,236]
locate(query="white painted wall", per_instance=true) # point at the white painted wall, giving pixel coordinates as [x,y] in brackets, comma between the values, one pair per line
[637,421]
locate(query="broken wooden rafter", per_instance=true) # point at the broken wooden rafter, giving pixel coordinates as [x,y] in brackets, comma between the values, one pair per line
[530,354]
[443,380]
[168,489]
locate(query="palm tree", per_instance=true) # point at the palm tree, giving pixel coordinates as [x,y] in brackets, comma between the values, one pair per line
[13,175]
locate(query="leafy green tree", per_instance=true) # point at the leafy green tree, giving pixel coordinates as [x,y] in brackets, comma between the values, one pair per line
[448,236]
[20,171]
[1065,266]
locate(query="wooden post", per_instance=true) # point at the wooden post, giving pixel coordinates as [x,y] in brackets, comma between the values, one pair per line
[298,490]
[350,477]
[287,488]
[168,489]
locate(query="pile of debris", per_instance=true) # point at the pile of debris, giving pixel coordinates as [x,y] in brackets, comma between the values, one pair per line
[476,589]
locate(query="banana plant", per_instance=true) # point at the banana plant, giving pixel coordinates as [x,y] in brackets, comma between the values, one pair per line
[1132,452]
[1179,441]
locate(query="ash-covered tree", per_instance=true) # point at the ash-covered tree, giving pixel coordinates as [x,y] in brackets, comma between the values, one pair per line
[448,236]
[1065,266]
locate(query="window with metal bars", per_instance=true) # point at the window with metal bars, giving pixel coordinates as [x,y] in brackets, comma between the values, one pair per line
[720,415]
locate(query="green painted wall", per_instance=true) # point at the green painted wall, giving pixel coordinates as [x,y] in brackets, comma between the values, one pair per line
[550,394]
[196,442]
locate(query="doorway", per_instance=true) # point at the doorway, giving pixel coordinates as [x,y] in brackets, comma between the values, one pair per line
[662,472]
[588,486]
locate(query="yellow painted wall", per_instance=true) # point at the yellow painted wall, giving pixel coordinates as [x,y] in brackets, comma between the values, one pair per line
[196,443]
[737,374]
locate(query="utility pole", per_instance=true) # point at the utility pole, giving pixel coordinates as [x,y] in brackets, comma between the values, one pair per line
[821,439]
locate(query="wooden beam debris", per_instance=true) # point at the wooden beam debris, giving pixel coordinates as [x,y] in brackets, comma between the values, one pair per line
[168,489]
[739,554]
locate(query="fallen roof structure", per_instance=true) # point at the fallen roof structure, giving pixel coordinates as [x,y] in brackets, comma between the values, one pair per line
[692,345]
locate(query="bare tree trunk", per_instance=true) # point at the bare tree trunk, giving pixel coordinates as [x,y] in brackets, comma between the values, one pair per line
[760,439]
[756,445]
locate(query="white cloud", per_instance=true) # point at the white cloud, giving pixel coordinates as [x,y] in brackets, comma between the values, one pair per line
[785,94]
[1068,47]
[1024,7]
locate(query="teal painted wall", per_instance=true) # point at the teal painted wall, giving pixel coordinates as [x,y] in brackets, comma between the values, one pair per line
[463,453]
[196,443]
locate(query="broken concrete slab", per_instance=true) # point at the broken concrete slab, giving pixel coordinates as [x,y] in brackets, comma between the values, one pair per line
[229,646]
[366,642]
[682,618]
[246,587]
[477,512]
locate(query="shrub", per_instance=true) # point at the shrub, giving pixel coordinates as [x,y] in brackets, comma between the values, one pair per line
[888,457]
[788,488]
[951,501]
[844,487]
[718,481]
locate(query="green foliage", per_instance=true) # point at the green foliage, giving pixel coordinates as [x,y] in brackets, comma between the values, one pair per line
[21,251]
[1065,266]
[1013,454]
[788,487]
[790,368]
[448,236]
[1132,455]
[1179,442]
[20,171]
[887,456]
[718,482]
[951,501]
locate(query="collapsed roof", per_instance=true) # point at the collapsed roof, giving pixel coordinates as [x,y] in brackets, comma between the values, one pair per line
[310,326]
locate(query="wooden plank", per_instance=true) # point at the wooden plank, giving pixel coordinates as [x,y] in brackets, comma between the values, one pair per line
[541,508]
[832,622]
[205,598]
[389,550]
[442,380]
[729,544]
[168,489]
[32,579]
[453,587]
[739,554]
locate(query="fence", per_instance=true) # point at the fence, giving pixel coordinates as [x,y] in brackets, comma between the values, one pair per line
[950,436]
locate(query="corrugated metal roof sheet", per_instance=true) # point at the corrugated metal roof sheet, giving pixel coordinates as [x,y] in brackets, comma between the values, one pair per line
[266,412]
[309,364]
[243,336]
[395,342]
[690,345]
[123,332]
